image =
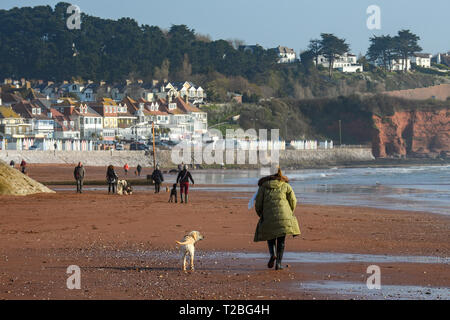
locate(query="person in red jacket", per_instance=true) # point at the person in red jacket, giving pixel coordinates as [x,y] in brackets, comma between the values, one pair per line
[126,167]
[23,167]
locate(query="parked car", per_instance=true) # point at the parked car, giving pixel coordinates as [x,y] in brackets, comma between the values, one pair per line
[36,146]
[139,146]
[170,143]
[119,147]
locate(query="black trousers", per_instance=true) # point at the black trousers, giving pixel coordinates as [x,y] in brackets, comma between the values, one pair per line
[157,187]
[112,187]
[79,186]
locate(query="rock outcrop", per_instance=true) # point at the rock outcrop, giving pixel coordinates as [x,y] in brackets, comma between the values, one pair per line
[15,183]
[414,133]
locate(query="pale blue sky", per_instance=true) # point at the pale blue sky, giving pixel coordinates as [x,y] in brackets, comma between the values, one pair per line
[280,22]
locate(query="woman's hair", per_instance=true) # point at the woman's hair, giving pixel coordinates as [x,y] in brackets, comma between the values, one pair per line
[276,176]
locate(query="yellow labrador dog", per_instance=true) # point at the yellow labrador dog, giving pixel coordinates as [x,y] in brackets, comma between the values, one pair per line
[187,247]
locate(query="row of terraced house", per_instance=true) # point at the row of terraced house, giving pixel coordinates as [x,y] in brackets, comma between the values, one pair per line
[105,118]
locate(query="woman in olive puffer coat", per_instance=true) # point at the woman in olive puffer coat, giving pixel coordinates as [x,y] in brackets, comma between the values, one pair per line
[275,205]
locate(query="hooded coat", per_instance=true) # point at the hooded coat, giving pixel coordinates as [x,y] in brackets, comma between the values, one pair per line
[275,204]
[79,173]
[157,176]
[111,175]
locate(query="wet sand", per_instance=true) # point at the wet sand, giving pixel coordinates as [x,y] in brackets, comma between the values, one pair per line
[125,247]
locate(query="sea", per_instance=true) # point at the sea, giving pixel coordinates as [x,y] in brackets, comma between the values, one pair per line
[414,188]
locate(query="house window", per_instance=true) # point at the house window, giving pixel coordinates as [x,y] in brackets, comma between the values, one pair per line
[38,110]
[33,111]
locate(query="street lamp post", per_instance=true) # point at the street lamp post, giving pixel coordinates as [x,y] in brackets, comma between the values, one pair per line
[340,133]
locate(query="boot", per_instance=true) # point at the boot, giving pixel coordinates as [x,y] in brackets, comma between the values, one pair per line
[271,244]
[181,196]
[186,199]
[280,251]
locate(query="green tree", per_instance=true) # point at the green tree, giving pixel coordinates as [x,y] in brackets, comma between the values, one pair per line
[382,50]
[315,48]
[406,44]
[332,48]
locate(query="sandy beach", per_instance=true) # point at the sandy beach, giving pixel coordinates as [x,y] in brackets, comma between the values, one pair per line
[125,247]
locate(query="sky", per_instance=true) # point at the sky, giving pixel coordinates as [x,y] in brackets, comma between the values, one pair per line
[270,23]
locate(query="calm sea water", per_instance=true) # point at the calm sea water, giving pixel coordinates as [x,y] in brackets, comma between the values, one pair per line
[418,188]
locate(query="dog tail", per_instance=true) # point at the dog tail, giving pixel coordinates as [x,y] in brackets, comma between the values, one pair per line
[189,241]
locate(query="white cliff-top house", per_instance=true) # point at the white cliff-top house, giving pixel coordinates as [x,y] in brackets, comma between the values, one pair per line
[422,59]
[345,63]
[285,54]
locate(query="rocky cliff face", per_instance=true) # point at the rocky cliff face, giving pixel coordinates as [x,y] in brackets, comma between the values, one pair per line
[414,133]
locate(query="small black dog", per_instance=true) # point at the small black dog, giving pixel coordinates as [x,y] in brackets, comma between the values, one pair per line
[173,193]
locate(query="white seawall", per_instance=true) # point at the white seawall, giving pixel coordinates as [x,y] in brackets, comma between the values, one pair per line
[292,158]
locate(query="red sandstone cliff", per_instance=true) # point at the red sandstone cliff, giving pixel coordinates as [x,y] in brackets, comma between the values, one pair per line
[412,133]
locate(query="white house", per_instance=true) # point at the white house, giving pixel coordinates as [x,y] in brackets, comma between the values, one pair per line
[422,59]
[285,54]
[345,63]
[42,124]
[399,64]
[87,121]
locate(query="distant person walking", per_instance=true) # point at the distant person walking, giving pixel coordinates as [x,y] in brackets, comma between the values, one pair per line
[157,178]
[183,178]
[12,163]
[139,169]
[112,179]
[126,167]
[23,166]
[78,174]
[275,204]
